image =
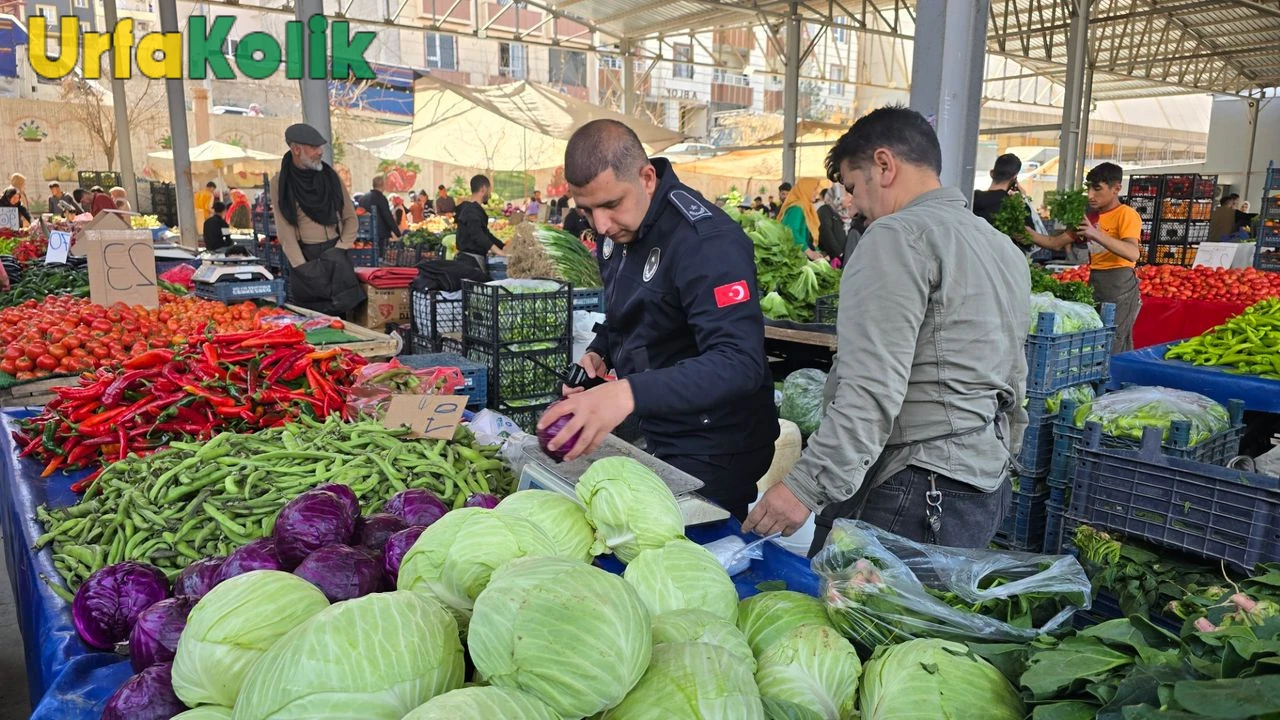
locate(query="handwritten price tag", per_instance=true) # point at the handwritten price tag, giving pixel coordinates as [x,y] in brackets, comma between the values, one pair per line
[430,416]
[9,217]
[59,246]
[122,267]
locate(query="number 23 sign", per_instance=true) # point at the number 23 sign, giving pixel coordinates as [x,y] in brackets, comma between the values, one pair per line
[122,267]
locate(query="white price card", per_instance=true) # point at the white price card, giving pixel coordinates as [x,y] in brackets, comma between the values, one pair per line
[59,246]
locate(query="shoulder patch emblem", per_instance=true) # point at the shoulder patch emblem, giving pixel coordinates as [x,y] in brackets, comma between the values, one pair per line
[651,265]
[689,205]
[607,248]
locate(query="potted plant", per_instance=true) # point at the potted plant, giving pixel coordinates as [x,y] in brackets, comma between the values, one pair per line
[30,131]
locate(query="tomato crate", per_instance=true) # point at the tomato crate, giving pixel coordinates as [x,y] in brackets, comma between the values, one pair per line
[1212,512]
[1217,449]
[509,316]
[1145,185]
[826,309]
[1145,206]
[433,315]
[1059,361]
[516,375]
[1188,187]
[1160,254]
[474,374]
[363,257]
[526,413]
[1024,520]
[588,299]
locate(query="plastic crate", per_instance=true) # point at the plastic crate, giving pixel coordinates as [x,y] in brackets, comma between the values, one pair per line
[526,413]
[1267,260]
[1059,530]
[1059,361]
[497,268]
[397,254]
[1160,254]
[363,257]
[1106,607]
[1188,186]
[1036,455]
[475,375]
[1186,209]
[1145,185]
[1212,512]
[1024,522]
[434,314]
[452,345]
[588,299]
[235,292]
[365,225]
[1145,206]
[826,309]
[1215,450]
[495,315]
[522,374]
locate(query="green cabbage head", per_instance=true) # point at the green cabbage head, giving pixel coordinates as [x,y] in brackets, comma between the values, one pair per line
[766,617]
[692,681]
[453,558]
[629,506]
[559,516]
[682,574]
[574,636]
[697,625]
[811,673]
[483,703]
[234,625]
[930,678]
[205,712]
[382,654]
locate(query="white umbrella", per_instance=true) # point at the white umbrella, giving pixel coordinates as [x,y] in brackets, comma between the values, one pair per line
[218,159]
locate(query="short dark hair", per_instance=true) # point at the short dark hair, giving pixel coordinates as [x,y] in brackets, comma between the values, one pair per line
[440,187]
[211,184]
[219,207]
[1105,174]
[1229,197]
[897,128]
[824,192]
[78,194]
[1006,168]
[784,187]
[478,183]
[602,145]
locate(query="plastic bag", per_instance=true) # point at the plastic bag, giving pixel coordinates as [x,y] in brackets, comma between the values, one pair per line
[179,275]
[882,588]
[1126,412]
[377,382]
[1078,394]
[1068,317]
[802,399]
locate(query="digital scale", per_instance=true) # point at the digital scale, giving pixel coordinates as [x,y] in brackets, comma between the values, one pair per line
[235,278]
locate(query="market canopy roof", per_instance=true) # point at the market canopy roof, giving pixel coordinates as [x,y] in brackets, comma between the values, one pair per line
[517,126]
[765,165]
[214,159]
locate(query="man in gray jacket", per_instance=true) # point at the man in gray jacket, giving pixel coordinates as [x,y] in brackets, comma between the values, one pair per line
[925,399]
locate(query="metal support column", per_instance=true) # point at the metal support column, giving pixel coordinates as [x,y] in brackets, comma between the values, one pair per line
[1254,105]
[124,144]
[947,65]
[791,94]
[315,91]
[178,134]
[1086,107]
[1077,60]
[628,79]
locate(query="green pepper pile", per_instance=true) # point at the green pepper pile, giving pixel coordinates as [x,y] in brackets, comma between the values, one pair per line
[41,281]
[1249,343]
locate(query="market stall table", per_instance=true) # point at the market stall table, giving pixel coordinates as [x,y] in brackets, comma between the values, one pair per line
[69,681]
[1164,320]
[1148,367]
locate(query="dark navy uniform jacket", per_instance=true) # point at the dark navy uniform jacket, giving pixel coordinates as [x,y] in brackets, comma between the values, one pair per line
[683,326]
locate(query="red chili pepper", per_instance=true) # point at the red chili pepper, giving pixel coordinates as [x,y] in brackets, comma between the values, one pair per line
[101,421]
[117,388]
[53,465]
[148,359]
[83,452]
[124,443]
[84,392]
[296,370]
[233,357]
[285,335]
[211,354]
[82,485]
[215,400]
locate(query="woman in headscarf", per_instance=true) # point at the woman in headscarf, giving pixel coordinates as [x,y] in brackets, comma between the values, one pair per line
[18,181]
[398,212]
[13,198]
[240,214]
[832,228]
[797,213]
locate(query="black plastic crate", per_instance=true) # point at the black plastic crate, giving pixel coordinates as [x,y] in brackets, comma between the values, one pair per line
[434,314]
[1216,449]
[1144,205]
[363,257]
[1267,260]
[1024,522]
[526,413]
[452,344]
[1145,185]
[398,254]
[496,315]
[1212,512]
[236,292]
[475,374]
[516,375]
[1161,254]
[1188,186]
[1059,361]
[826,310]
[365,227]
[588,299]
[1147,226]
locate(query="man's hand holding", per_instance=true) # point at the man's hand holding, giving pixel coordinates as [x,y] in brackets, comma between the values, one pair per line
[778,511]
[596,412]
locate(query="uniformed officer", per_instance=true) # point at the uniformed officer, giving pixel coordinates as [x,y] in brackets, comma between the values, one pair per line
[683,328]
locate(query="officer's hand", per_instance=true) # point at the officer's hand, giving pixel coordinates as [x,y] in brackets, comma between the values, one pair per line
[595,367]
[778,511]
[596,412]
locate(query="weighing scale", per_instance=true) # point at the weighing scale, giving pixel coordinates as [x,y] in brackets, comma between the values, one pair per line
[541,472]
[235,278]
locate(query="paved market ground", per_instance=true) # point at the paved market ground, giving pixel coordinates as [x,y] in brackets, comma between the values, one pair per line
[13,674]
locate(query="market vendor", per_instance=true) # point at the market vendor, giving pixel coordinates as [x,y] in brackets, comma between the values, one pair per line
[684,332]
[926,392]
[474,238]
[313,209]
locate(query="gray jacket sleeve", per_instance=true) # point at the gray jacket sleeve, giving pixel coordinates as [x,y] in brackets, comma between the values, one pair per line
[877,349]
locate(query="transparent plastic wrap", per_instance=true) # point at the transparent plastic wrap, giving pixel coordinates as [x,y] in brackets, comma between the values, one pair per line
[1078,394]
[1126,412]
[881,588]
[802,399]
[1068,317]
[377,382]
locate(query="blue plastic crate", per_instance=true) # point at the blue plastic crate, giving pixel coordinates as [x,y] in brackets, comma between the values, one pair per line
[364,257]
[1215,450]
[588,299]
[1059,531]
[1059,361]
[1036,455]
[1211,512]
[474,373]
[1106,607]
[497,268]
[236,292]
[365,226]
[1023,526]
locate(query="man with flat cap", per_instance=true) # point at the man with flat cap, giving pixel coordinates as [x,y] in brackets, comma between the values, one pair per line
[315,217]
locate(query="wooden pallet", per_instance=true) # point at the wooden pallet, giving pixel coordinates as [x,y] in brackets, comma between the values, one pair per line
[36,393]
[371,344]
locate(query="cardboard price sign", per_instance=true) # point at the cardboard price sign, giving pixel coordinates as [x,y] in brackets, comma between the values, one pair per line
[122,267]
[59,246]
[429,416]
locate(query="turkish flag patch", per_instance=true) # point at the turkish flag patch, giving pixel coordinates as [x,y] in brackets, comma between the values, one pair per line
[732,294]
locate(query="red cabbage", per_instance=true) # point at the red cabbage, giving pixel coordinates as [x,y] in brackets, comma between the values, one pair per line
[341,572]
[309,522]
[199,577]
[107,604]
[146,696]
[345,494]
[372,532]
[257,555]
[397,546]
[155,635]
[482,500]
[416,506]
[545,435]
